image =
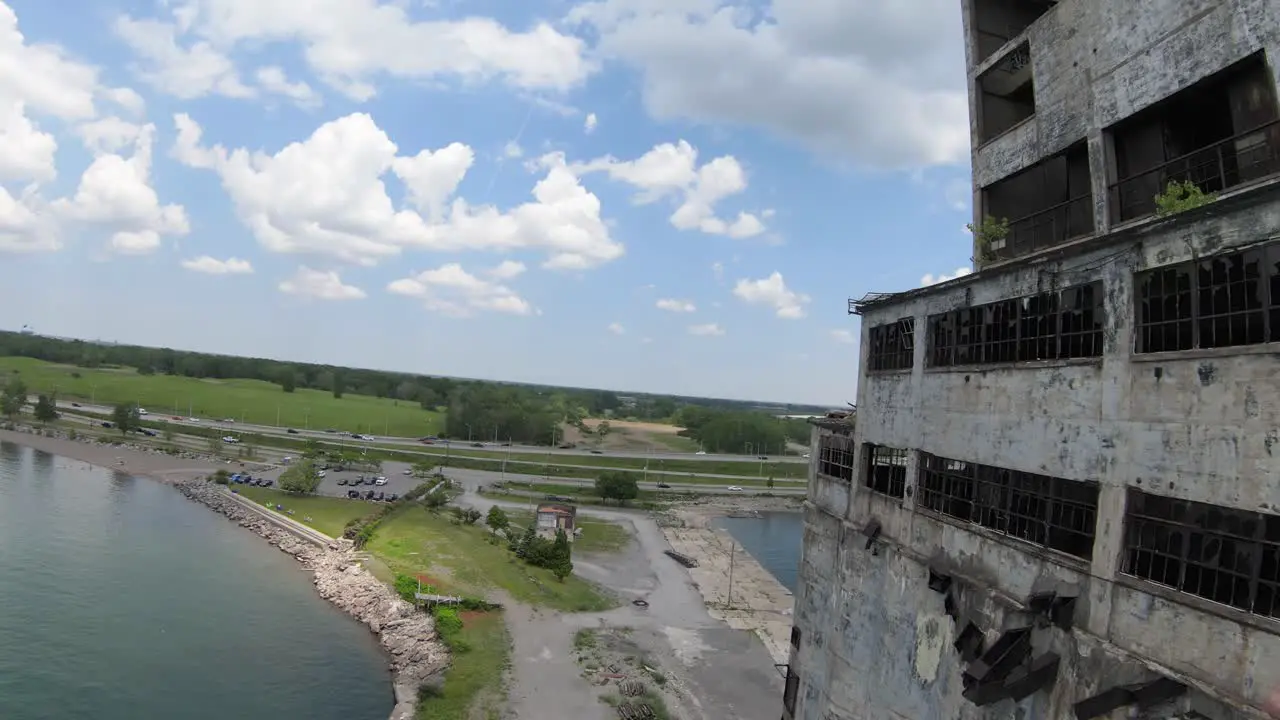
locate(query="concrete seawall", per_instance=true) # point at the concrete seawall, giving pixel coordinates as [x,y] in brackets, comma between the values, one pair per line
[755,601]
[297,529]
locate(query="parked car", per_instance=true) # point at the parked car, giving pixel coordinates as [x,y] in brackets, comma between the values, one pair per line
[322,473]
[342,481]
[392,497]
[379,496]
[380,481]
[368,494]
[353,494]
[734,488]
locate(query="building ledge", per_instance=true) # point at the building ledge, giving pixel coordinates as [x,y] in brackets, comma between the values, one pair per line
[1133,233]
[1025,365]
[1195,602]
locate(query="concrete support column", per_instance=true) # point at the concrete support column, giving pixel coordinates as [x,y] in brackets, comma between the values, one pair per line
[1101,160]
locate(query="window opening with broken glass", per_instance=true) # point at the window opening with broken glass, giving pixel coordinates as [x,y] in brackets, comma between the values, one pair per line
[1228,556]
[835,457]
[886,471]
[892,345]
[1052,512]
[1224,301]
[1058,325]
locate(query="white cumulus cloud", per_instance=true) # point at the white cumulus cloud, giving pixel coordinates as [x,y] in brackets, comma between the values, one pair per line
[773,292]
[931,279]
[213,266]
[324,195]
[320,284]
[671,170]
[675,306]
[590,123]
[451,290]
[842,336]
[617,329]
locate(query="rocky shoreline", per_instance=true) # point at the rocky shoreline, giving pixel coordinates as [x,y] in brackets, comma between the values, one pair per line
[408,635]
[417,656]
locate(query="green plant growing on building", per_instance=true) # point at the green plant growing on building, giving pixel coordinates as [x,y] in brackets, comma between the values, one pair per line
[1180,196]
[985,235]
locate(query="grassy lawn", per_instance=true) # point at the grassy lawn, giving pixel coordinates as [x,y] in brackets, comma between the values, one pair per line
[414,541]
[250,401]
[597,535]
[793,472]
[473,685]
[329,515]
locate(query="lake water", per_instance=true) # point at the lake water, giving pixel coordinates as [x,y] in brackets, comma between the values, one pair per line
[120,599]
[774,540]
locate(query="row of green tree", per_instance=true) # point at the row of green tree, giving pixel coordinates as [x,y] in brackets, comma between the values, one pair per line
[755,433]
[13,397]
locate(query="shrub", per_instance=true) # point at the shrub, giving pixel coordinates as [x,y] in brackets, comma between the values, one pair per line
[449,627]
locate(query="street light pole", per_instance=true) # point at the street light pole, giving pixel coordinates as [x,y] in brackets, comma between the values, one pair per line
[728,602]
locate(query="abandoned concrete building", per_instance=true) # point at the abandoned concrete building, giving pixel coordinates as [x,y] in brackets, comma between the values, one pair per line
[1061,494]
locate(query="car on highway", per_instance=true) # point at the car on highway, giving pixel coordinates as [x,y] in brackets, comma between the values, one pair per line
[228,420]
[291,431]
[230,440]
[597,452]
[75,404]
[734,488]
[701,452]
[664,486]
[477,444]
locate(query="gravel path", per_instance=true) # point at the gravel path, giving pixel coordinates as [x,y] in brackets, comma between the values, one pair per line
[716,673]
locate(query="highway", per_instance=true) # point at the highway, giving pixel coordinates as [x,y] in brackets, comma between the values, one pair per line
[458,446]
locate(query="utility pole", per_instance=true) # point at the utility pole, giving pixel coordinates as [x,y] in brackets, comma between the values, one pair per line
[277,416]
[728,602]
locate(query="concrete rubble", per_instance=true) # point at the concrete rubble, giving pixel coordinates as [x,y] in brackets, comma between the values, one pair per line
[417,656]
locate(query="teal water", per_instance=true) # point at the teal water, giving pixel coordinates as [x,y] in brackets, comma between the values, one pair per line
[120,599]
[774,539]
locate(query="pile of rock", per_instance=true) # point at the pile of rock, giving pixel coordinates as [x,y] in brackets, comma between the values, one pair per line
[416,652]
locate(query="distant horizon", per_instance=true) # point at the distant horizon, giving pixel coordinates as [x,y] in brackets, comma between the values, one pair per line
[29,330]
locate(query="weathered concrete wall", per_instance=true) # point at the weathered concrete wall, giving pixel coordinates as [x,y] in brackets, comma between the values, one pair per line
[1096,62]
[1203,425]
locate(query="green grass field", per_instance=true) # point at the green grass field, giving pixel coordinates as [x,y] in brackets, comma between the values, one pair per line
[328,515]
[414,541]
[251,401]
[473,684]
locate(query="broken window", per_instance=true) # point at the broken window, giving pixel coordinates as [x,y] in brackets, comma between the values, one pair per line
[886,471]
[892,345]
[1222,132]
[795,637]
[1006,94]
[790,691]
[1046,205]
[995,22]
[1048,326]
[835,457]
[1224,301]
[1228,556]
[1052,512]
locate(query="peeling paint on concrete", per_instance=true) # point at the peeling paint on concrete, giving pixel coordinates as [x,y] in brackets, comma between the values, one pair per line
[931,636]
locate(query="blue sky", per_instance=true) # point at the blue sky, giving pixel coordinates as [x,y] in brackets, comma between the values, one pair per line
[652,195]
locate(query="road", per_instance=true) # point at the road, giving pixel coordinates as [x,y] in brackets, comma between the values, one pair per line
[413,442]
[473,480]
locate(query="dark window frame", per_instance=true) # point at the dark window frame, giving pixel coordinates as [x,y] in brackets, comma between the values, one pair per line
[1064,324]
[1241,289]
[1054,513]
[791,690]
[836,457]
[1184,545]
[892,346]
[885,470]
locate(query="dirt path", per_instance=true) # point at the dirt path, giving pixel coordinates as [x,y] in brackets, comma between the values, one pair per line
[710,671]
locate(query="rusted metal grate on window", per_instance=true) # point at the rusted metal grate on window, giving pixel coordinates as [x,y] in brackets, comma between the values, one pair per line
[835,457]
[886,471]
[1223,301]
[1228,556]
[1052,512]
[1048,326]
[892,345]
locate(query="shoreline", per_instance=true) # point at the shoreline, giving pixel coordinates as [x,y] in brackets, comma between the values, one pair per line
[407,636]
[759,602]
